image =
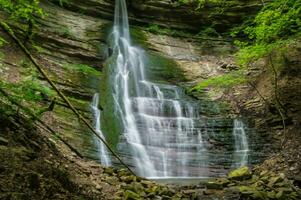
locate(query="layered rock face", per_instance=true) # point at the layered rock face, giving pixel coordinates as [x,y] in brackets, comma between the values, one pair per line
[171,14]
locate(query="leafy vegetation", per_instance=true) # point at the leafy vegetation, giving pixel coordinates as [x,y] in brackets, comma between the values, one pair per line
[24,11]
[28,90]
[85,69]
[155,28]
[200,3]
[222,81]
[274,26]
[2,41]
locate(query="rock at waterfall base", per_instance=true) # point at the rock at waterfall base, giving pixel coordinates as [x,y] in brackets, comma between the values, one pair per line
[242,173]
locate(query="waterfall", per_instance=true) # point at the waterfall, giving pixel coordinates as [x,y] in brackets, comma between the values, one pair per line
[241,144]
[104,156]
[163,133]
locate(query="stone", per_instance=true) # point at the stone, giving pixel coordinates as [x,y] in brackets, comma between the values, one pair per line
[109,171]
[242,173]
[279,194]
[271,194]
[147,183]
[123,172]
[217,184]
[136,187]
[128,179]
[131,195]
[119,194]
[274,180]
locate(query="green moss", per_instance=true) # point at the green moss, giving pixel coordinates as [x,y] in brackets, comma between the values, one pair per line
[157,29]
[66,33]
[223,81]
[40,49]
[138,36]
[28,89]
[1,55]
[2,41]
[110,120]
[240,174]
[82,68]
[163,69]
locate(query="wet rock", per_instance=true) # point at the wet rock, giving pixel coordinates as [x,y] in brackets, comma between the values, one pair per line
[242,173]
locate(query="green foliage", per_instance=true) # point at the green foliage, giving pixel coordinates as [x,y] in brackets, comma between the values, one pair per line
[85,69]
[22,10]
[201,3]
[274,25]
[155,28]
[2,41]
[66,32]
[27,89]
[223,81]
[277,20]
[209,32]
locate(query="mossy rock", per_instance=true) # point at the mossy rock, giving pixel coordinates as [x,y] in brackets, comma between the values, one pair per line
[130,195]
[109,170]
[128,179]
[217,184]
[242,173]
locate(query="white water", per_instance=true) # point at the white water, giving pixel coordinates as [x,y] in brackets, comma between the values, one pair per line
[165,136]
[241,143]
[104,156]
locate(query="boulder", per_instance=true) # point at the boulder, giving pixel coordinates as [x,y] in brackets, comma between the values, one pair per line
[242,173]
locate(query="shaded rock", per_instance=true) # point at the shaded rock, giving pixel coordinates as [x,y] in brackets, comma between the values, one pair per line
[33,180]
[240,174]
[297,180]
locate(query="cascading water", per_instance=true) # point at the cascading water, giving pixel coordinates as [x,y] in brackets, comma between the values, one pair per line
[241,143]
[164,134]
[104,156]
